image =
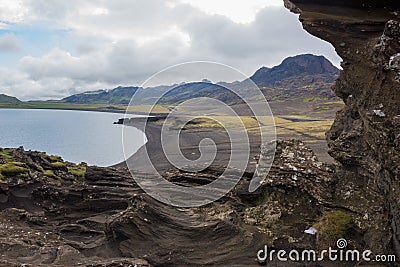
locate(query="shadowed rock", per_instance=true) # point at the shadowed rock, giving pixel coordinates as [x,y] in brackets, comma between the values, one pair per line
[364,137]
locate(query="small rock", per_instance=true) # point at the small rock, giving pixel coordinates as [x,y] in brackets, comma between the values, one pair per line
[379,113]
[311,231]
[394,62]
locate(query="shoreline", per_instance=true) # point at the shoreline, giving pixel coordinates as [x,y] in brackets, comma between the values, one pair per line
[189,140]
[116,111]
[319,145]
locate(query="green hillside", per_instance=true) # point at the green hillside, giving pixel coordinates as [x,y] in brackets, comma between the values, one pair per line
[5,99]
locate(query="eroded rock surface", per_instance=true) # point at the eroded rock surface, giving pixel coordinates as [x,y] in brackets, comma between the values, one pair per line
[365,135]
[102,218]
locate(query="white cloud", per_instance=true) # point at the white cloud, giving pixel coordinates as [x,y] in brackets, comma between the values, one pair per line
[126,41]
[98,11]
[239,11]
[13,11]
[59,64]
[122,62]
[9,43]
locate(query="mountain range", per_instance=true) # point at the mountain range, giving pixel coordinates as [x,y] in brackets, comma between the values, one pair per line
[305,77]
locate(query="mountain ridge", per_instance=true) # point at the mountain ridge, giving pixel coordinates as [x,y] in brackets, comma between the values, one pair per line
[6,99]
[296,66]
[299,77]
[119,95]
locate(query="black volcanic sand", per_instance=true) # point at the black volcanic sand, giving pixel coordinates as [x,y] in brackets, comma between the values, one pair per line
[189,140]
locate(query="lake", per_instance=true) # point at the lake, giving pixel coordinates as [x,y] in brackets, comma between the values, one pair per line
[77,136]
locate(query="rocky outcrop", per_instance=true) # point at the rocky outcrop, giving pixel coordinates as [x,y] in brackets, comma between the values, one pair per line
[364,138]
[58,213]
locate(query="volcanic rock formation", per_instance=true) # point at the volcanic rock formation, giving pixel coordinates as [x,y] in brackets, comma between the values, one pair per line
[53,215]
[365,135]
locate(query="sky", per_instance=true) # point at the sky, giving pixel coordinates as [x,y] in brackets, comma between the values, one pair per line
[50,49]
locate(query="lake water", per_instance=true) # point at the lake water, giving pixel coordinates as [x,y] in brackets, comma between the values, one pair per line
[77,136]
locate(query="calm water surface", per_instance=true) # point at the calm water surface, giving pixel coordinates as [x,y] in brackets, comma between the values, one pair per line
[77,136]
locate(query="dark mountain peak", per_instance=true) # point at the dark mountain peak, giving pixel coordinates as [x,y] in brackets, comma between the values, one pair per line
[261,72]
[296,66]
[6,99]
[310,64]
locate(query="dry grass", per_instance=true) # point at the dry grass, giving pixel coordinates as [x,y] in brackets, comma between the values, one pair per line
[234,122]
[285,128]
[316,129]
[146,109]
[334,103]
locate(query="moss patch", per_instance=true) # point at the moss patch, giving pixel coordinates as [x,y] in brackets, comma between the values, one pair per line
[50,173]
[78,171]
[262,198]
[5,153]
[57,164]
[50,158]
[332,226]
[40,169]
[12,168]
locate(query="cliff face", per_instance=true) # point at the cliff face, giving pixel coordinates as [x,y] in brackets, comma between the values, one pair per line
[365,137]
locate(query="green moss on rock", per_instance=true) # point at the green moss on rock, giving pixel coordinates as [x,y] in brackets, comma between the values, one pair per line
[333,226]
[50,158]
[12,168]
[57,164]
[50,173]
[78,171]
[5,154]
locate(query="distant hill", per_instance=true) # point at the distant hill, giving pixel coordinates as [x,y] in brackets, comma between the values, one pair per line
[5,99]
[204,88]
[296,67]
[305,77]
[117,96]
